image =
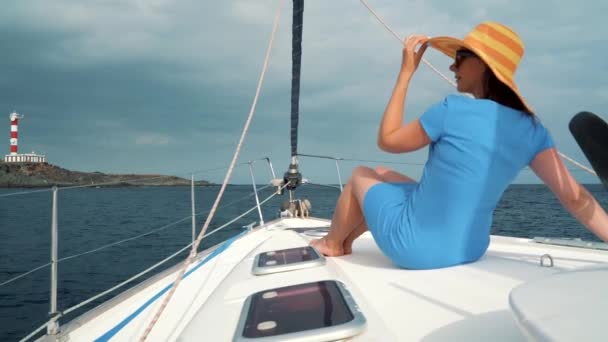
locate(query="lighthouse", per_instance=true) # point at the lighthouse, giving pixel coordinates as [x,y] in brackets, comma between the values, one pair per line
[14,131]
[14,156]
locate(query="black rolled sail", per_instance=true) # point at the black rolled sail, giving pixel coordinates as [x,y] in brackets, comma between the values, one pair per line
[296,56]
[293,177]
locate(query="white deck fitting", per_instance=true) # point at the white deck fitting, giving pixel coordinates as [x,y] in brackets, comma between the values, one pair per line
[467,302]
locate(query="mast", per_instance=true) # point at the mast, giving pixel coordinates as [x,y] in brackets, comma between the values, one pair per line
[296,57]
[293,177]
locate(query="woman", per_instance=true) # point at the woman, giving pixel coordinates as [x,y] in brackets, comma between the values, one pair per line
[477,147]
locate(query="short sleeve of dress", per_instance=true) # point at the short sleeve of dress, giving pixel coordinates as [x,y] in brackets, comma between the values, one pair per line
[433,120]
[543,139]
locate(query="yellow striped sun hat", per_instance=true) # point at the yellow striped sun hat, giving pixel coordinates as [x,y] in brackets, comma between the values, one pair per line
[496,44]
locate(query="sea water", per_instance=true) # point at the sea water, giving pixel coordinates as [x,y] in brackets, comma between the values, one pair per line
[90,218]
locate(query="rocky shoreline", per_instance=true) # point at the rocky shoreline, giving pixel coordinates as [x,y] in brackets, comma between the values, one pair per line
[35,175]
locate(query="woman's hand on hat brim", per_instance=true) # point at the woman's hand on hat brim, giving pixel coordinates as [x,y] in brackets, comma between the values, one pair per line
[411,58]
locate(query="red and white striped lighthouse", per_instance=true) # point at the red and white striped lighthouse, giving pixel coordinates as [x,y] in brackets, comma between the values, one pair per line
[14,132]
[14,156]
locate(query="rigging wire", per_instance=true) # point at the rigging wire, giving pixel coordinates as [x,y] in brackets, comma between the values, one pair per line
[580,169]
[323,185]
[127,239]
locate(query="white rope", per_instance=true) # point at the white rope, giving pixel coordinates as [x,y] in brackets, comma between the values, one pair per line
[427,63]
[227,178]
[454,84]
[578,164]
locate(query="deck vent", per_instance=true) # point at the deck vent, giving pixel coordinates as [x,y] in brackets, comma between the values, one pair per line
[318,311]
[286,260]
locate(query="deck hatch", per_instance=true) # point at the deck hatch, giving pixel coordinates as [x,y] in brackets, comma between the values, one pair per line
[317,311]
[286,260]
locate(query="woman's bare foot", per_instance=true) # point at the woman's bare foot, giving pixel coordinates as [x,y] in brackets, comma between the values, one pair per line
[327,248]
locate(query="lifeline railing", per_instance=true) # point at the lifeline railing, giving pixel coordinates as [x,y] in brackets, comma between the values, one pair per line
[337,160]
[52,325]
[570,242]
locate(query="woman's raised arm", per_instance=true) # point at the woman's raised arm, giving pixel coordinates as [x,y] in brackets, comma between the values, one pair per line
[393,136]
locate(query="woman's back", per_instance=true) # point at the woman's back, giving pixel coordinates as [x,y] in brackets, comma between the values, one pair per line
[478,147]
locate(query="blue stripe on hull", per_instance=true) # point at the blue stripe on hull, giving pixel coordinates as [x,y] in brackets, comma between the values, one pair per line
[110,333]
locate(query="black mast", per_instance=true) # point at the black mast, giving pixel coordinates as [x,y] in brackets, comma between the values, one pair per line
[293,177]
[296,57]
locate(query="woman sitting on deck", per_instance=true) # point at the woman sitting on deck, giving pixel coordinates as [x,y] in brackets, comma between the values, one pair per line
[477,147]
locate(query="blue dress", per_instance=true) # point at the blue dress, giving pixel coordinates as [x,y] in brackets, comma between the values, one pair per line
[478,147]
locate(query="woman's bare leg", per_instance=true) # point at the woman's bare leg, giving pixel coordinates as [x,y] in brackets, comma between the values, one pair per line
[387,176]
[345,217]
[392,176]
[359,229]
[348,222]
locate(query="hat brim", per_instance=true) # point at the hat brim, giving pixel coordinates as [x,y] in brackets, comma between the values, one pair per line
[449,46]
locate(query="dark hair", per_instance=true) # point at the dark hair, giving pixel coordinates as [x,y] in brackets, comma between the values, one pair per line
[499,92]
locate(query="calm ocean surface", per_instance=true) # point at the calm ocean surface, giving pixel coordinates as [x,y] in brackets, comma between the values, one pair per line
[93,217]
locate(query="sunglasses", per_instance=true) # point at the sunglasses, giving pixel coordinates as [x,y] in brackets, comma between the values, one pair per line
[461,55]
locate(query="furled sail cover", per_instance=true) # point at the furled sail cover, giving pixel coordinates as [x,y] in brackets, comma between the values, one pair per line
[296,57]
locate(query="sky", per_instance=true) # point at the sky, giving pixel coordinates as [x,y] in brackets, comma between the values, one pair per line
[165,86]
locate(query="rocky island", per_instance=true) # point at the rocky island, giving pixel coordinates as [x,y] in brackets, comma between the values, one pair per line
[29,175]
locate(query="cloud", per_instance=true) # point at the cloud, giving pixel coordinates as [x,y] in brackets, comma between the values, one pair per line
[177,78]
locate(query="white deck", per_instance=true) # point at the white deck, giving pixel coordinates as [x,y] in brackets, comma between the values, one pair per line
[468,302]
